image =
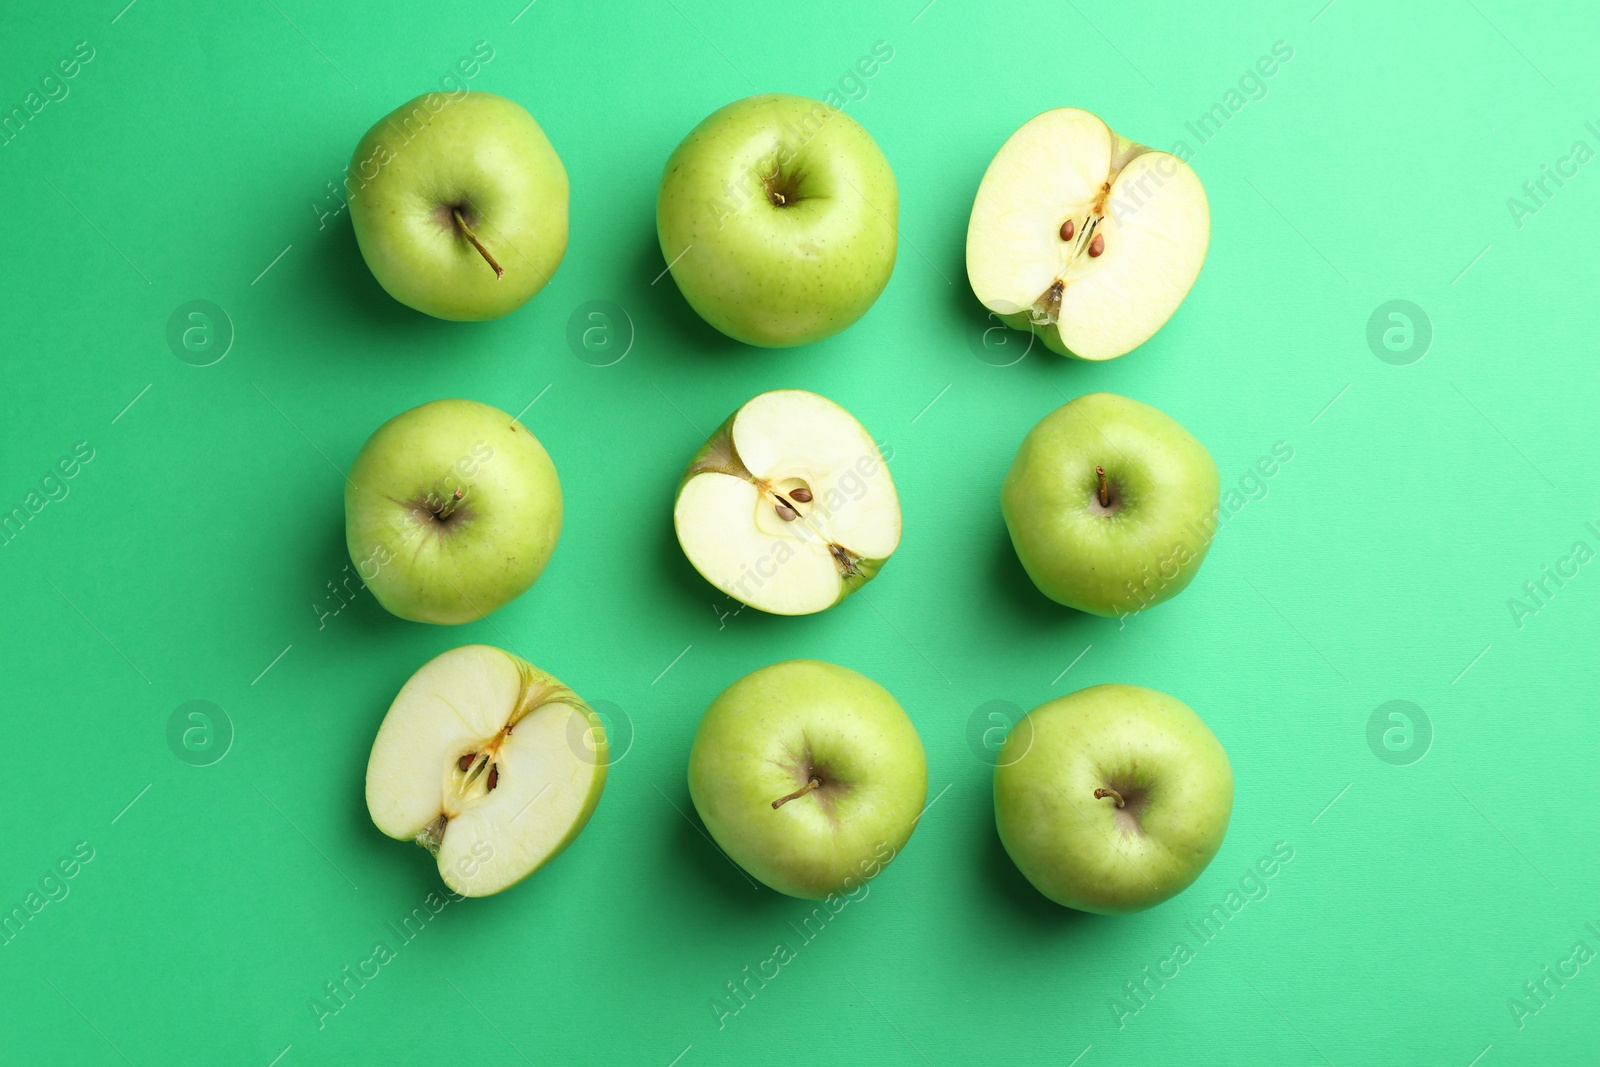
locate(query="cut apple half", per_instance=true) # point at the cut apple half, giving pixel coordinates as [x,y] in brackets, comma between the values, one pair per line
[789,507]
[1084,237]
[489,763]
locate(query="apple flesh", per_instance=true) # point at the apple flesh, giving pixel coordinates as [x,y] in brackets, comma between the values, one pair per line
[1112,799]
[459,204]
[789,507]
[490,764]
[809,776]
[452,510]
[777,218]
[1111,504]
[1085,237]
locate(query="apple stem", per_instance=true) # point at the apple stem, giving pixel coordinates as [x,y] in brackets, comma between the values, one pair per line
[1105,499]
[449,505]
[1101,794]
[811,784]
[466,230]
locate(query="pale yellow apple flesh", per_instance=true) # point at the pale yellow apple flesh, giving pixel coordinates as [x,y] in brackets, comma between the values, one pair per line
[489,763]
[1086,238]
[790,506]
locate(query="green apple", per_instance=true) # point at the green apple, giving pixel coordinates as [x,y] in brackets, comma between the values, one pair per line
[1113,798]
[777,216]
[789,507]
[490,764]
[809,776]
[459,203]
[1111,505]
[452,510]
[1085,237]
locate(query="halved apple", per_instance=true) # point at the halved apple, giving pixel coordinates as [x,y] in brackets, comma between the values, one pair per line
[489,763]
[1085,237]
[789,507]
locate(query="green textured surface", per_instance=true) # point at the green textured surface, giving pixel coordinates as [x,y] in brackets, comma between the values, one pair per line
[188,558]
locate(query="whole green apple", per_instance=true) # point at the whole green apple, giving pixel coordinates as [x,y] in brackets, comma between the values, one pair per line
[809,776]
[777,216]
[1111,505]
[459,203]
[452,510]
[1112,799]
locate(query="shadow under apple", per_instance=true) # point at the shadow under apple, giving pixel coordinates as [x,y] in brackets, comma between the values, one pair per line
[1023,598]
[1015,895]
[663,305]
[344,286]
[714,606]
[705,862]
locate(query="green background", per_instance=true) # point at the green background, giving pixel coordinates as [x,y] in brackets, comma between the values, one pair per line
[191,554]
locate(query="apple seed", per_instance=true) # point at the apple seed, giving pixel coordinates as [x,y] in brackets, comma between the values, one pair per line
[465,762]
[1097,246]
[494,777]
[786,513]
[801,495]
[1066,230]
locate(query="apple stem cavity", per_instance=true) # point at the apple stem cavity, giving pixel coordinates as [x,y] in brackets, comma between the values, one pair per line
[449,507]
[812,783]
[782,189]
[1105,498]
[1101,794]
[466,231]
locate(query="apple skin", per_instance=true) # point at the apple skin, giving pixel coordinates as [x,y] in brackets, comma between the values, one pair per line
[476,151]
[761,739]
[772,275]
[1085,853]
[1165,491]
[491,547]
